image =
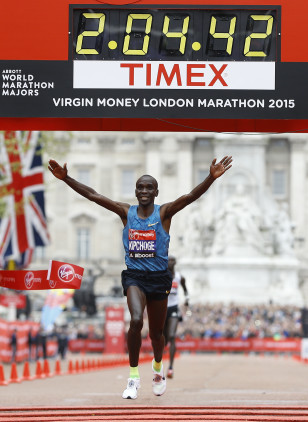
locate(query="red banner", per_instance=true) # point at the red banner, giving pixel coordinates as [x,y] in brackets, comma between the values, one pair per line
[18,301]
[114,330]
[86,345]
[60,275]
[6,330]
[23,350]
[292,345]
[64,276]
[233,345]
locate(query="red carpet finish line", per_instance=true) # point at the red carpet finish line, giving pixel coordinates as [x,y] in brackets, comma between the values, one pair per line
[158,413]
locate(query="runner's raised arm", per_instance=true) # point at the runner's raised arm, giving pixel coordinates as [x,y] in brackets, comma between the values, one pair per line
[170,209]
[61,173]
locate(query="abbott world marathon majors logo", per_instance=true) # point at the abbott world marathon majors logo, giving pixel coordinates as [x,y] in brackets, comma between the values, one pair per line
[30,280]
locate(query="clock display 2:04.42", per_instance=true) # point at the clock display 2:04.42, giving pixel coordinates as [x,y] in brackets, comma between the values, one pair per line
[175,34]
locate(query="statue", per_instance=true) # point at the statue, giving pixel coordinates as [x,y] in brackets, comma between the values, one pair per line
[283,237]
[238,224]
[193,235]
[197,240]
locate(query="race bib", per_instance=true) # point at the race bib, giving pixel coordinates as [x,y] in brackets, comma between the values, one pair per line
[174,287]
[142,243]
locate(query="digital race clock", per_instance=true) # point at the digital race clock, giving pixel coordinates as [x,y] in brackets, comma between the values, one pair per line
[190,33]
[183,48]
[140,66]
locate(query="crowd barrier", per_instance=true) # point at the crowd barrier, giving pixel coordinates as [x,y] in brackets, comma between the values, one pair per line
[6,330]
[204,345]
[192,345]
[234,345]
[86,345]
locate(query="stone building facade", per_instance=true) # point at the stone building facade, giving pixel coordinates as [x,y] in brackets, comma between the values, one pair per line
[269,171]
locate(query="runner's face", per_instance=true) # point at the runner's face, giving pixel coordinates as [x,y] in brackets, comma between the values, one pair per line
[146,190]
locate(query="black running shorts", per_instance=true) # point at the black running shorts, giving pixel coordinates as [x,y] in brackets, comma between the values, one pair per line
[173,311]
[156,285]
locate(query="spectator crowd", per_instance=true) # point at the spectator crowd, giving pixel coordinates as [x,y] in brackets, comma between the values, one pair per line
[241,321]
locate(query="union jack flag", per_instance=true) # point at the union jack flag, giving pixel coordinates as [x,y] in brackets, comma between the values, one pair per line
[22,210]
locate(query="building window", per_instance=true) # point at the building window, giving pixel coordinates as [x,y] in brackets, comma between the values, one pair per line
[279,182]
[128,183]
[83,176]
[83,243]
[204,142]
[83,141]
[128,141]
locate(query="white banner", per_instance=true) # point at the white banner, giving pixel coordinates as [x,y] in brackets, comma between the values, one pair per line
[174,75]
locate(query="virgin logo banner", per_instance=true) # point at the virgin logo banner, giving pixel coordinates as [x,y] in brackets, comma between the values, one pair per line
[60,275]
[114,330]
[64,276]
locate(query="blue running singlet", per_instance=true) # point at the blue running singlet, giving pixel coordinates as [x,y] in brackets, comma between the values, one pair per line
[145,241]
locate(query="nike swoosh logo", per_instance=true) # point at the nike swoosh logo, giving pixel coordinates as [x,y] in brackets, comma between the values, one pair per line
[153,224]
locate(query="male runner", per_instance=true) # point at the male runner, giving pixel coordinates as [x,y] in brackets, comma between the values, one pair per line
[147,280]
[173,312]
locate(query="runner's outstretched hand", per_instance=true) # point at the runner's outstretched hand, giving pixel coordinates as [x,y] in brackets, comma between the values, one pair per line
[58,171]
[220,168]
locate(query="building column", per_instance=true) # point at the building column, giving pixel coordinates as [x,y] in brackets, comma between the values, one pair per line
[298,184]
[153,155]
[184,184]
[185,164]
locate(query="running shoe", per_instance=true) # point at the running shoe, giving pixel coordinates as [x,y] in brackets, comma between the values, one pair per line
[131,390]
[159,383]
[170,373]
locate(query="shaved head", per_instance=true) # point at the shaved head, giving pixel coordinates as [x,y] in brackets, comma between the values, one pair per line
[150,178]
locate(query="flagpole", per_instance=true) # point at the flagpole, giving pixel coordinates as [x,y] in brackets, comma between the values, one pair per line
[12,311]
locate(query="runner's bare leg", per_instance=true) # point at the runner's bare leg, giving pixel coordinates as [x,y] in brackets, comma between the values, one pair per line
[157,311]
[136,302]
[172,327]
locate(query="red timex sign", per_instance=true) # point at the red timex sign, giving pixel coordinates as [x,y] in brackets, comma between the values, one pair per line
[193,72]
[174,75]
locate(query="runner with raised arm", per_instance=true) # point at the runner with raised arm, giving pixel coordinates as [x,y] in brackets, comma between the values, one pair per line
[146,281]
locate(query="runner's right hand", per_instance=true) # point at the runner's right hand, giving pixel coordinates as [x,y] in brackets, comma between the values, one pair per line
[57,170]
